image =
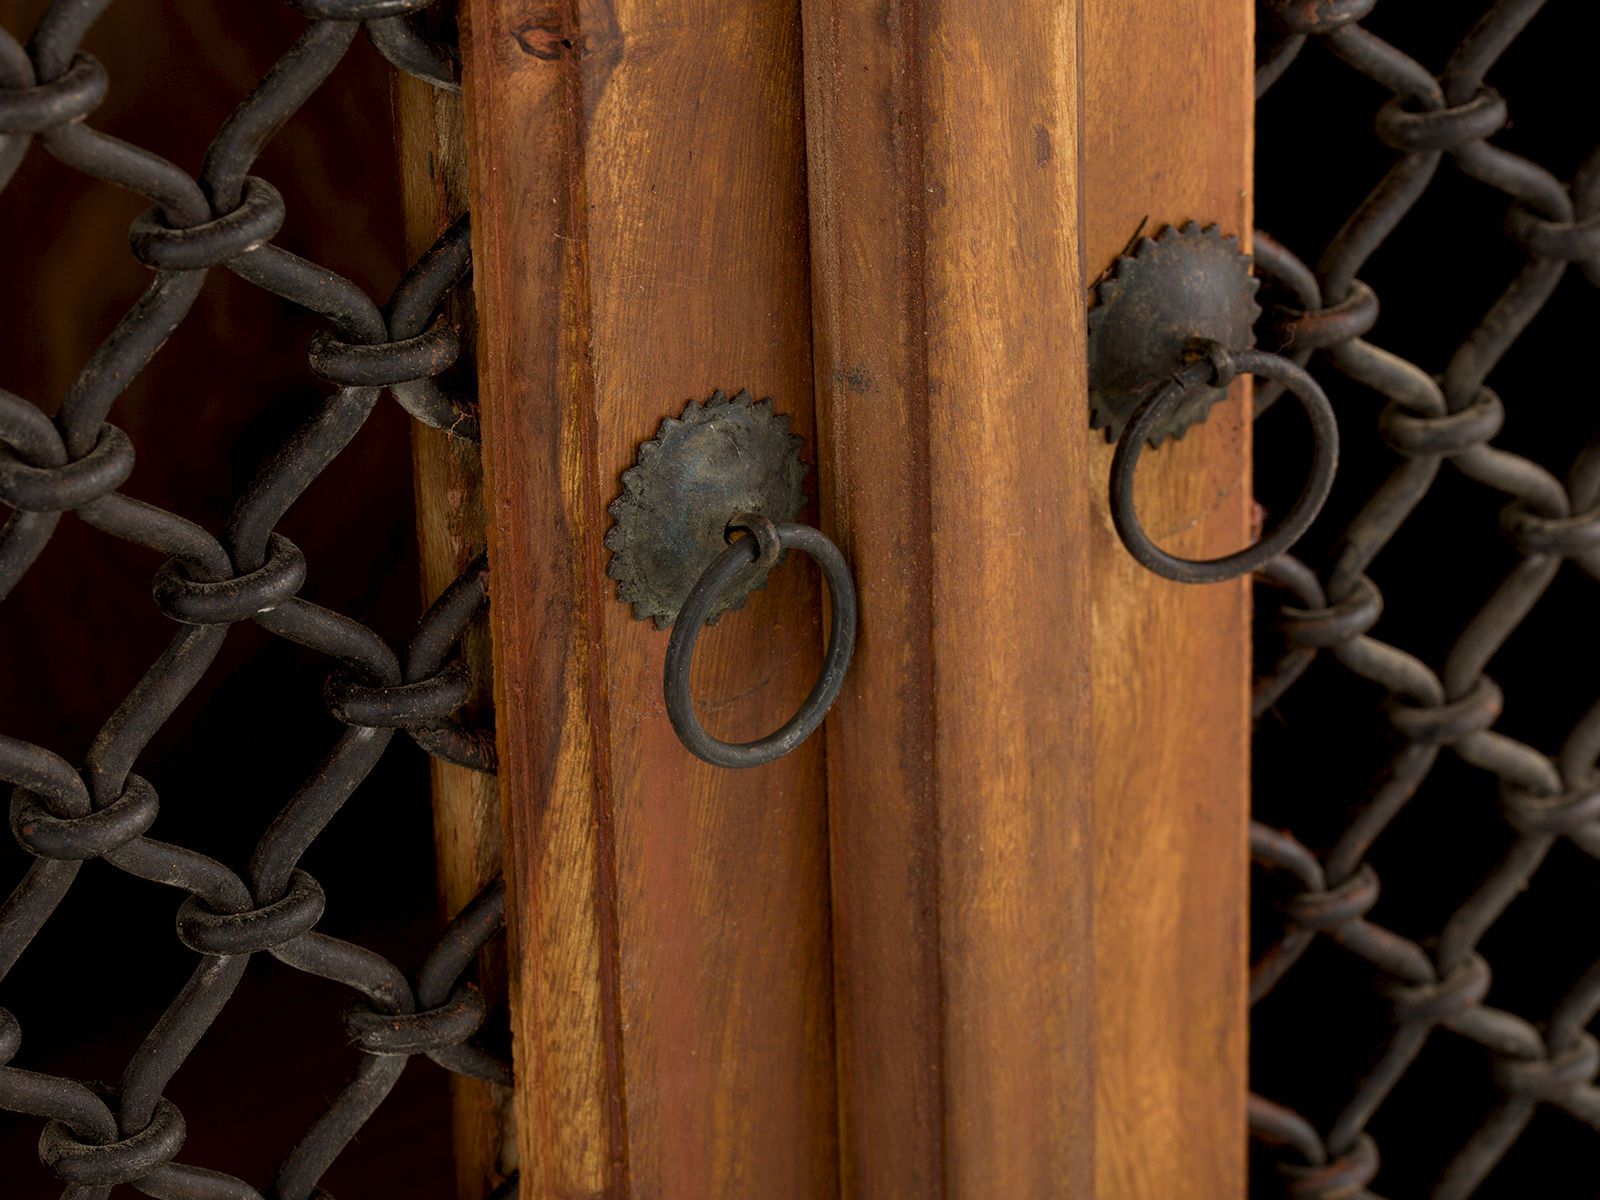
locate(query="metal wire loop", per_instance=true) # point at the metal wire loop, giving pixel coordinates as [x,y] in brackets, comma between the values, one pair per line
[728,566]
[74,839]
[1215,368]
[386,363]
[89,1165]
[72,484]
[94,814]
[449,1025]
[296,912]
[255,221]
[70,97]
[1410,778]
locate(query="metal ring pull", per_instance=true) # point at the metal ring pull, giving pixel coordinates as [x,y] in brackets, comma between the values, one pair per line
[762,548]
[1215,365]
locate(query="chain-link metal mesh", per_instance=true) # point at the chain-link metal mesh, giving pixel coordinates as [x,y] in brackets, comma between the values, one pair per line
[99,815]
[1382,1024]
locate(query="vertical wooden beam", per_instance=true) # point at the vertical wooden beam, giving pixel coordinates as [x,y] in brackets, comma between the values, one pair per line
[639,239]
[944,182]
[448,476]
[1167,128]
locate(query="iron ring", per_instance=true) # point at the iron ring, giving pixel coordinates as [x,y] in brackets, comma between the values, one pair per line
[1222,366]
[765,537]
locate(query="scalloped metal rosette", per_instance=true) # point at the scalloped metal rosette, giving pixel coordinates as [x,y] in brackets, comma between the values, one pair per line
[1185,283]
[728,455]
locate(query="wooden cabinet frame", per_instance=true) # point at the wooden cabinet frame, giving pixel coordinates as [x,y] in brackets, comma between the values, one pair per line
[985,939]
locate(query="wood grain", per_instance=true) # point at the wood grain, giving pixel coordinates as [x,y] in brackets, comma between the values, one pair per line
[639,238]
[451,532]
[944,181]
[1166,139]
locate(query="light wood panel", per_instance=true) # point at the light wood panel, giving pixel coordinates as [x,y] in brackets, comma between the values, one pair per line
[1167,138]
[448,475]
[944,181]
[639,238]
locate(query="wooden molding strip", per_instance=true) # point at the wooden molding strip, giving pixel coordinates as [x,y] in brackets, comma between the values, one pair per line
[944,176]
[639,239]
[1167,123]
[448,478]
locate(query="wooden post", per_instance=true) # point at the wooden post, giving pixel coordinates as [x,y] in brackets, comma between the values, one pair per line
[945,191]
[639,239]
[1168,112]
[1037,774]
[451,532]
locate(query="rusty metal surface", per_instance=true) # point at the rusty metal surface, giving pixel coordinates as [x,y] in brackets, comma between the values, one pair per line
[1171,327]
[1184,284]
[728,455]
[98,814]
[1393,1055]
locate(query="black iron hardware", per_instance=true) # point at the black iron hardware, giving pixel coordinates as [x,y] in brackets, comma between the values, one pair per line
[1171,328]
[728,464]
[761,551]
[1186,284]
[1213,366]
[97,814]
[728,455]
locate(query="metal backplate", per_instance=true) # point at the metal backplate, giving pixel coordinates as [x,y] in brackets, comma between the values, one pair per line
[1180,285]
[721,458]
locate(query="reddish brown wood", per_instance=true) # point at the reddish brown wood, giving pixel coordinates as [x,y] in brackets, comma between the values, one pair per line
[944,181]
[1021,723]
[639,237]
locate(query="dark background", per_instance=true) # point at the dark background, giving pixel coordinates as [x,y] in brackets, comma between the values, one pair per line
[81,628]
[1318,752]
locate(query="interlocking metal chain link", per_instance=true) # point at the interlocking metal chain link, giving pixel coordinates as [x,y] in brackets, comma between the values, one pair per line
[100,814]
[1435,987]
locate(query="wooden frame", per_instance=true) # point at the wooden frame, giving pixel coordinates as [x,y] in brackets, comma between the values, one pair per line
[945,252]
[1167,138]
[639,240]
[992,943]
[451,532]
